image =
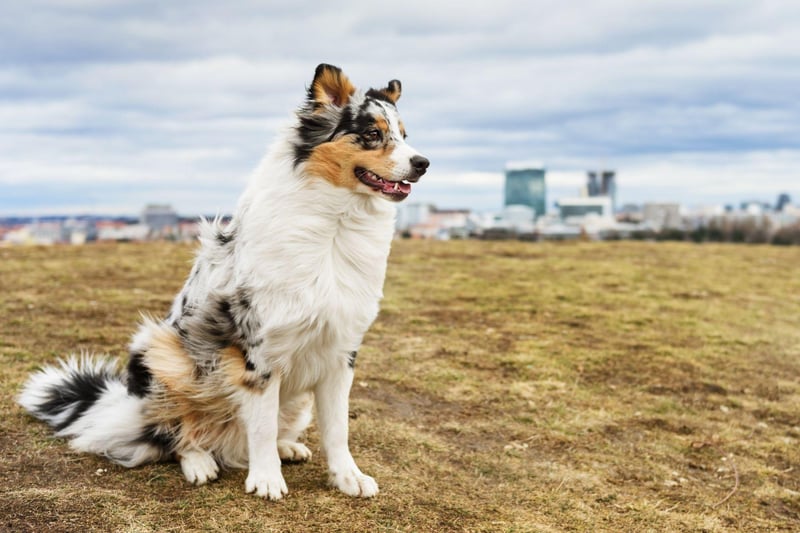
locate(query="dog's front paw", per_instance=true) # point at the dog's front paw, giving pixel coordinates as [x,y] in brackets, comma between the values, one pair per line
[353,483]
[271,486]
[293,451]
[199,467]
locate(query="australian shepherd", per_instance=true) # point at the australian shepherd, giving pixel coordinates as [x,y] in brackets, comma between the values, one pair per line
[271,317]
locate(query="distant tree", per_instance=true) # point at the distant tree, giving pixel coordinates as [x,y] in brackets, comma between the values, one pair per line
[497,234]
[715,234]
[643,235]
[787,235]
[760,230]
[671,234]
[699,234]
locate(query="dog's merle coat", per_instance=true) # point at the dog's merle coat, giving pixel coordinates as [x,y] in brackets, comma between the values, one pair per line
[272,314]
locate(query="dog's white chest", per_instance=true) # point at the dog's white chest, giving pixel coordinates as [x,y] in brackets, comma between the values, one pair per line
[319,275]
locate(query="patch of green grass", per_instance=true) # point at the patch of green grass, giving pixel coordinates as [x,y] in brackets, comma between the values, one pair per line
[504,387]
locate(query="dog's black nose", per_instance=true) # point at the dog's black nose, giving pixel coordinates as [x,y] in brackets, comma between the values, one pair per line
[420,164]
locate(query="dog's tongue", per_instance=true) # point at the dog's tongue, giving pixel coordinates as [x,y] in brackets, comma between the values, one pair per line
[388,187]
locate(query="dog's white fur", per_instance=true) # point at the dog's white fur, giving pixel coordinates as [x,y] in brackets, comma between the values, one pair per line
[320,276]
[313,255]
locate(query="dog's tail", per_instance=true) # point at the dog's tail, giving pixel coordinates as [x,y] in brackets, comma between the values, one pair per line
[86,399]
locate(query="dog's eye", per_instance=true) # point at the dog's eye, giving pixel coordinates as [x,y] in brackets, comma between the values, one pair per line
[373,135]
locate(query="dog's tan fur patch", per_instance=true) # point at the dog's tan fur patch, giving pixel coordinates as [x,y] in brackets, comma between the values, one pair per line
[331,86]
[337,160]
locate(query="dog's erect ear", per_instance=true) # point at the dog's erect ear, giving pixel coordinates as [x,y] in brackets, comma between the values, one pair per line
[392,91]
[330,86]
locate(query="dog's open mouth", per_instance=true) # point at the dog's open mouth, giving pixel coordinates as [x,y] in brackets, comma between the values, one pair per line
[396,190]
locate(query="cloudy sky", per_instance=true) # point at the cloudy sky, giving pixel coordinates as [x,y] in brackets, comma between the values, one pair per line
[107,105]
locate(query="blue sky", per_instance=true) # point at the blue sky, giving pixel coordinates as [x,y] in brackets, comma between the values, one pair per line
[107,105]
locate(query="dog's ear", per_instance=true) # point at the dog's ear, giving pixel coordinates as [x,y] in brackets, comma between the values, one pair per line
[392,91]
[330,86]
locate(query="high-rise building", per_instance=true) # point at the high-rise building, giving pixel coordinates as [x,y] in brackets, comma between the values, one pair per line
[525,186]
[592,186]
[783,200]
[607,185]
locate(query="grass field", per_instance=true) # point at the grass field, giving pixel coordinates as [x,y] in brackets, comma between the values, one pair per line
[504,387]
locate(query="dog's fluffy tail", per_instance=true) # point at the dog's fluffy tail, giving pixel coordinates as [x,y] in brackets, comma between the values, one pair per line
[86,399]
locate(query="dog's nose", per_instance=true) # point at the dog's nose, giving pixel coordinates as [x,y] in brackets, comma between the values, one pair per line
[420,165]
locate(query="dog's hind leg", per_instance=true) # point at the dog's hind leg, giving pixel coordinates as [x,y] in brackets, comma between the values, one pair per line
[295,416]
[332,395]
[198,466]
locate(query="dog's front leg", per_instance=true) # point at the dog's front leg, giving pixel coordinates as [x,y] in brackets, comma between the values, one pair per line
[259,413]
[332,396]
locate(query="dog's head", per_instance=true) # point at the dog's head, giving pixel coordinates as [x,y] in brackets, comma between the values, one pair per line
[356,139]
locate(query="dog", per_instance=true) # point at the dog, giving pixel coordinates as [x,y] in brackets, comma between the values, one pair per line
[271,317]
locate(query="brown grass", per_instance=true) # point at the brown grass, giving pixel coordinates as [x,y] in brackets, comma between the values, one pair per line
[505,387]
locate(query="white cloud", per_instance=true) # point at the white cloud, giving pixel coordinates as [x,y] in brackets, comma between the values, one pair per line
[669,92]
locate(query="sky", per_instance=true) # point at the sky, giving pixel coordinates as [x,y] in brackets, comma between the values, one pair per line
[108,105]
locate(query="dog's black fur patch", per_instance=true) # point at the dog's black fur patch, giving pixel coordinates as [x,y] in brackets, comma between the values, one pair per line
[78,392]
[312,131]
[206,330]
[223,321]
[139,376]
[159,436]
[224,237]
[315,128]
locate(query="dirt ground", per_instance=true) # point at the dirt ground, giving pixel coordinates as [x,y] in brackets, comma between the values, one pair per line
[505,387]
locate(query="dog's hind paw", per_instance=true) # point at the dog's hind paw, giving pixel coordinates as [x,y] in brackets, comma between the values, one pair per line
[354,483]
[293,451]
[271,487]
[199,467]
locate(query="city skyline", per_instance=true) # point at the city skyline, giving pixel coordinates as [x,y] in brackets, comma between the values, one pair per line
[109,106]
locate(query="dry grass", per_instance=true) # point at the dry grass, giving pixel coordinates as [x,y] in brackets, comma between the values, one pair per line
[505,387]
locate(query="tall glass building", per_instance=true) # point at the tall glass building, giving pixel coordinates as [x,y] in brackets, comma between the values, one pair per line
[525,186]
[606,187]
[609,187]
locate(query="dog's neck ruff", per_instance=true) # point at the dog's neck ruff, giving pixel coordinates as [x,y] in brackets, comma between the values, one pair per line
[299,224]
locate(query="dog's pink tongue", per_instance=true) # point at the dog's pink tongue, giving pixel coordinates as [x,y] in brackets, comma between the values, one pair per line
[389,187]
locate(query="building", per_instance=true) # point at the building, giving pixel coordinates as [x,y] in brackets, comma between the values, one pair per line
[442,224]
[608,186]
[783,200]
[572,208]
[413,214]
[525,186]
[160,218]
[520,218]
[661,216]
[592,185]
[123,232]
[605,186]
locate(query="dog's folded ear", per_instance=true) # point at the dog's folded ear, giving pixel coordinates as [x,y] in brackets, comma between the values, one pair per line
[392,91]
[330,87]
